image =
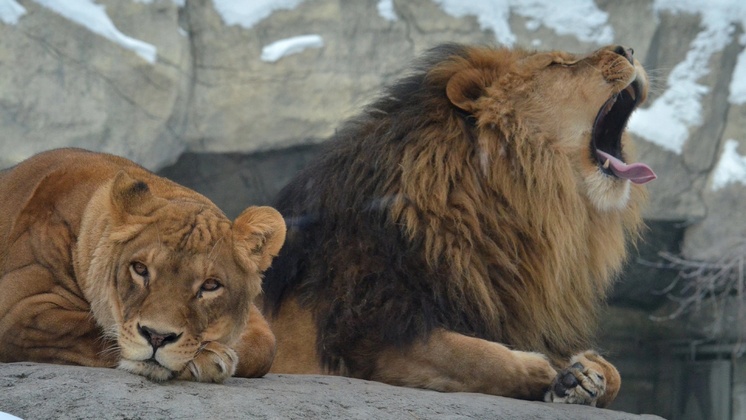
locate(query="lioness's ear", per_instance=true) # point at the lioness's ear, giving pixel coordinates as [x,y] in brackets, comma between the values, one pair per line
[130,196]
[258,234]
[465,87]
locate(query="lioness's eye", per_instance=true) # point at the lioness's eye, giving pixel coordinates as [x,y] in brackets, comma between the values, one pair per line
[140,269]
[210,285]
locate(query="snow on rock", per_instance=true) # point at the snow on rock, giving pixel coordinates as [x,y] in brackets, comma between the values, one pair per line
[248,13]
[94,18]
[10,12]
[386,10]
[288,46]
[580,18]
[738,80]
[668,120]
[731,167]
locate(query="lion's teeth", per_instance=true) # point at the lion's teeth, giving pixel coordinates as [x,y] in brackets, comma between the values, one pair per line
[607,163]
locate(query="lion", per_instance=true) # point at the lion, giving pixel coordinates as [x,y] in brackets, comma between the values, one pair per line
[105,264]
[461,234]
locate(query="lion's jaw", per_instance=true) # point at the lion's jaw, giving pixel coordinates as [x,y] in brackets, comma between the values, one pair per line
[608,178]
[602,91]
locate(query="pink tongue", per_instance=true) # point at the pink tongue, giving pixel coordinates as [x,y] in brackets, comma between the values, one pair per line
[639,173]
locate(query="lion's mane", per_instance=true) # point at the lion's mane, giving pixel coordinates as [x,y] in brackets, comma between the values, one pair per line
[417,217]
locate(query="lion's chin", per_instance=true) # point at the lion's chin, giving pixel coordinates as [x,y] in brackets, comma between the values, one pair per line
[606,193]
[148,368]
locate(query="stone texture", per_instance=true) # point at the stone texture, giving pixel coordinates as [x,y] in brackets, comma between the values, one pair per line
[47,391]
[65,86]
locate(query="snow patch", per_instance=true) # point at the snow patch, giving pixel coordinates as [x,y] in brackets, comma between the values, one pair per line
[737,94]
[670,117]
[94,18]
[10,11]
[580,18]
[288,46]
[731,167]
[386,10]
[490,15]
[247,13]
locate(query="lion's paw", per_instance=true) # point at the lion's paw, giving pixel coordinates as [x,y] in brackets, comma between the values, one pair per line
[214,362]
[577,384]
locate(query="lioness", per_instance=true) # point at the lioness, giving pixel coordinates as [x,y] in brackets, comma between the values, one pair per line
[103,263]
[462,232]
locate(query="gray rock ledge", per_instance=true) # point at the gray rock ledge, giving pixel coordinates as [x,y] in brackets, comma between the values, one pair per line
[39,391]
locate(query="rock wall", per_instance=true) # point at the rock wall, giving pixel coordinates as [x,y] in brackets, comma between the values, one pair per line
[167,76]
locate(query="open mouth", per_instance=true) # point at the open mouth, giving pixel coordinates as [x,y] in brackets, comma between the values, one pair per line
[606,139]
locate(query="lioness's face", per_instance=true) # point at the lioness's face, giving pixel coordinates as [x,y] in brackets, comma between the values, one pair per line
[166,273]
[177,290]
[585,102]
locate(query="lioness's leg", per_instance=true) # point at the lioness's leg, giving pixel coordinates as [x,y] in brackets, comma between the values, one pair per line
[250,357]
[453,362]
[588,379]
[256,348]
[41,326]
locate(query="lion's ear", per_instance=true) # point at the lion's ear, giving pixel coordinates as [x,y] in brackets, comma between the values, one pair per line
[258,234]
[465,87]
[131,197]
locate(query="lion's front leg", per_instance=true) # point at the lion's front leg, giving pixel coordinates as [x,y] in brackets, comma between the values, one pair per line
[589,379]
[452,362]
[214,362]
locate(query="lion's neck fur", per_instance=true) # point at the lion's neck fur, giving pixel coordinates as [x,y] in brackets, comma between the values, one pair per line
[520,241]
[515,234]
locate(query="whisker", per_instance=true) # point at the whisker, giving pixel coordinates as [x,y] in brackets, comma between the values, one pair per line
[209,256]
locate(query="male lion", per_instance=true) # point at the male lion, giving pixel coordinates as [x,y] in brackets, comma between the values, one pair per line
[462,232]
[103,263]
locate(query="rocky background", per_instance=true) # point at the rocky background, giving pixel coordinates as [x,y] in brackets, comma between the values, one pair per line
[201,91]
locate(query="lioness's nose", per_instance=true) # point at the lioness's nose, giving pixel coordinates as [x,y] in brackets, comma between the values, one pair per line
[628,53]
[155,338]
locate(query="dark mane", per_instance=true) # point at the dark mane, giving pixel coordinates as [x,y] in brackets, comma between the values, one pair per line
[345,153]
[419,215]
[344,194]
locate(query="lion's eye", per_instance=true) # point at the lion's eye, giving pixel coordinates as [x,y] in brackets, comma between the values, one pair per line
[210,285]
[140,272]
[140,269]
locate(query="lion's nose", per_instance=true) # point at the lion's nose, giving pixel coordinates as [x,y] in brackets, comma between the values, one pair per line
[628,53]
[155,338]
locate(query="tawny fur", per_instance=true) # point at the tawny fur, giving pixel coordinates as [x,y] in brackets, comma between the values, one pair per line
[73,226]
[465,204]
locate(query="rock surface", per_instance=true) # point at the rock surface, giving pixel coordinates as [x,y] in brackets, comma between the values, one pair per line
[32,391]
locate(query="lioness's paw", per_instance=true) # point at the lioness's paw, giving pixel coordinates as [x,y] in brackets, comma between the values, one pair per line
[583,382]
[213,363]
